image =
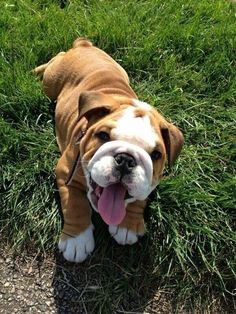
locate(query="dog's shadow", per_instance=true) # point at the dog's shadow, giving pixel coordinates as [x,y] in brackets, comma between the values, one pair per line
[114,279]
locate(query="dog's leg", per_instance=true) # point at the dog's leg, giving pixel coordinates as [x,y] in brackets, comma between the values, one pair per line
[39,70]
[132,226]
[76,241]
[48,73]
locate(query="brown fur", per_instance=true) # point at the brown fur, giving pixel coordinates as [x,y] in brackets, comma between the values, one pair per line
[87,85]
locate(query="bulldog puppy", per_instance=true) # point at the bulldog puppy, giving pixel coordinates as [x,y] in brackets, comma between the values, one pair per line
[113,146]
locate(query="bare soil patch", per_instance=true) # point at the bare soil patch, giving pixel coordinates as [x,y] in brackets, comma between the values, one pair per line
[33,283]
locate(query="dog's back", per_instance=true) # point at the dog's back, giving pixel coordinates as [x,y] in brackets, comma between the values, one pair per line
[68,69]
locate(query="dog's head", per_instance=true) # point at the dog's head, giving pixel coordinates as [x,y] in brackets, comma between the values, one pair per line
[124,151]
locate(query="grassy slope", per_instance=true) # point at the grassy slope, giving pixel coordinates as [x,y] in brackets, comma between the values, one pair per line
[181,58]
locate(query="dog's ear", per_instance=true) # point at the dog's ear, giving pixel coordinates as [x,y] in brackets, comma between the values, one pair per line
[173,140]
[93,103]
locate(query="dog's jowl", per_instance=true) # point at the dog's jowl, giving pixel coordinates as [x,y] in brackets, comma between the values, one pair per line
[113,146]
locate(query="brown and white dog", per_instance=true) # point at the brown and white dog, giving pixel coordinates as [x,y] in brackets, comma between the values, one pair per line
[113,147]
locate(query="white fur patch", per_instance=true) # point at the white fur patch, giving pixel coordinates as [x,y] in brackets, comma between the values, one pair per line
[135,130]
[78,248]
[101,171]
[101,168]
[123,236]
[141,104]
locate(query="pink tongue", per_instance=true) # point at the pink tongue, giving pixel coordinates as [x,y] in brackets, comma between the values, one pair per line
[111,204]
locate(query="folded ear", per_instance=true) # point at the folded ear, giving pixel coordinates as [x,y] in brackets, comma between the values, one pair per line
[173,140]
[93,103]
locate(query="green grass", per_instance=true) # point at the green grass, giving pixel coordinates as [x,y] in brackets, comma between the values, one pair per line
[180,56]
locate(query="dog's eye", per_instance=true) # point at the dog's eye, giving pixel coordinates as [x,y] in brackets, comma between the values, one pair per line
[104,136]
[155,155]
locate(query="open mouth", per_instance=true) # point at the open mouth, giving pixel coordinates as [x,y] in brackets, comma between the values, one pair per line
[109,201]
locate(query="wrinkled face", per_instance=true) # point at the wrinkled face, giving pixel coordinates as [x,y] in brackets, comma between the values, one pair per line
[123,159]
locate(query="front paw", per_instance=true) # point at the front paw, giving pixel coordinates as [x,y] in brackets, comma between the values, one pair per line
[77,248]
[123,235]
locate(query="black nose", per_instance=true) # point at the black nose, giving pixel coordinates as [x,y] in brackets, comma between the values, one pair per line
[125,163]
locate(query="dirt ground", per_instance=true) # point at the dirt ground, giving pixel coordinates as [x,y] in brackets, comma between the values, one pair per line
[37,284]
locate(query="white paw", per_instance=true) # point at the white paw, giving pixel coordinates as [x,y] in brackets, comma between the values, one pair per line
[123,235]
[78,248]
